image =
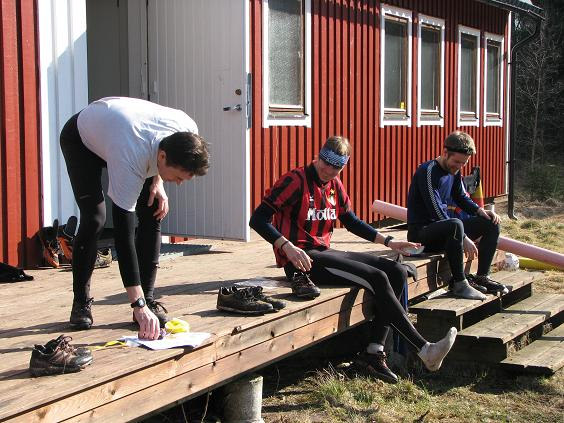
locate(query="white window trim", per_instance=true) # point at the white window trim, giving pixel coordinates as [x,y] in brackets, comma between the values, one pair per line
[476,33]
[273,120]
[404,14]
[498,38]
[440,24]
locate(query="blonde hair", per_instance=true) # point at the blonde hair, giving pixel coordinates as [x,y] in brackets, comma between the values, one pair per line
[339,145]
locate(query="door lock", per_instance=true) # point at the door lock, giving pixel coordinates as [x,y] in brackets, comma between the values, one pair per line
[236,107]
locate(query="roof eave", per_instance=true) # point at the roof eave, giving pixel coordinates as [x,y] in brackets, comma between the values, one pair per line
[516,6]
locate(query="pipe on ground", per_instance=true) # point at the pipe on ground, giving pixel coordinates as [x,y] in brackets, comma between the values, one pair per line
[505,244]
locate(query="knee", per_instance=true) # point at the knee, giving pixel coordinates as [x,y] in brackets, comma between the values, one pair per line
[94,221]
[455,228]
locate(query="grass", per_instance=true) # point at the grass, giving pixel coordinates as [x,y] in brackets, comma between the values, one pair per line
[333,392]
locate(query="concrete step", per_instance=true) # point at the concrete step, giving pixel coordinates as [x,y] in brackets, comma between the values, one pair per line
[496,337]
[543,356]
[436,315]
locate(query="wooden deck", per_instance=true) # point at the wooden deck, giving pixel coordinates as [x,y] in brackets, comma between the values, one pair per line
[125,383]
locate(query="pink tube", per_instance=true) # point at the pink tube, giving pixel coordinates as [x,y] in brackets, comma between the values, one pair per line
[505,244]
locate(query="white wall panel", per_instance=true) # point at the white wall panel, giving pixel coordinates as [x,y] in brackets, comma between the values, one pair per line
[64,92]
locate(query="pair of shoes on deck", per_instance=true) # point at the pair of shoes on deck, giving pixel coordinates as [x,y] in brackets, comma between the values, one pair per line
[247,300]
[57,357]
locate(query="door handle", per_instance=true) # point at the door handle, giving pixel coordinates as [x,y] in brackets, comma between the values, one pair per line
[236,107]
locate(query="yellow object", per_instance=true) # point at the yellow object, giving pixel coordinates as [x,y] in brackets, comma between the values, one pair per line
[110,344]
[177,325]
[528,263]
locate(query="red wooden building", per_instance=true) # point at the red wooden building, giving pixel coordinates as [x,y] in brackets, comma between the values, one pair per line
[394,77]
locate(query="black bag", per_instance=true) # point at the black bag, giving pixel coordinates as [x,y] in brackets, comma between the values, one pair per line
[13,274]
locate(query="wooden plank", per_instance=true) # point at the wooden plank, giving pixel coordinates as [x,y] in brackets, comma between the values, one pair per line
[517,319]
[110,401]
[448,306]
[543,356]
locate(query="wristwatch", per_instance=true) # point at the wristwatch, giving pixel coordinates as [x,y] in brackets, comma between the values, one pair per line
[139,302]
[387,240]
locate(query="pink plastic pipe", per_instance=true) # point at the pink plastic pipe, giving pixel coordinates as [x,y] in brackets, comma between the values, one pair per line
[505,244]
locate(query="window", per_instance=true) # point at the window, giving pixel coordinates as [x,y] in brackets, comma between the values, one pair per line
[430,86]
[468,76]
[493,97]
[286,62]
[395,74]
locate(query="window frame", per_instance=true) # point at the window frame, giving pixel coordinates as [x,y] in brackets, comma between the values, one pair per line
[462,120]
[299,119]
[493,119]
[439,24]
[402,14]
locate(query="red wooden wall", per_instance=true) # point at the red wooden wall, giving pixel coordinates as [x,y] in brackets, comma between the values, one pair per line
[19,133]
[346,81]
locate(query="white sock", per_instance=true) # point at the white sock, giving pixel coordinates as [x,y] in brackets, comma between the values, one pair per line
[374,348]
[433,354]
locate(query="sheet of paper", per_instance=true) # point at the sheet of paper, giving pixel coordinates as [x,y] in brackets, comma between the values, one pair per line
[173,340]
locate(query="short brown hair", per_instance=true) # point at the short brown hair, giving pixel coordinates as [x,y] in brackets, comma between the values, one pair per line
[187,151]
[460,142]
[338,144]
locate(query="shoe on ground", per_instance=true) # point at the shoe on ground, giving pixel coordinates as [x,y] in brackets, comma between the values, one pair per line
[50,245]
[103,258]
[375,365]
[257,292]
[55,358]
[64,342]
[491,286]
[240,301]
[303,287]
[462,289]
[433,354]
[81,314]
[158,310]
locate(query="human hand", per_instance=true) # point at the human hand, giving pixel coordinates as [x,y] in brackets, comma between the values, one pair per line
[149,327]
[470,249]
[489,214]
[157,191]
[297,257]
[405,247]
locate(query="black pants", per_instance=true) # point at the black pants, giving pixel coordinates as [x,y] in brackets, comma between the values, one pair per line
[85,173]
[383,277]
[448,235]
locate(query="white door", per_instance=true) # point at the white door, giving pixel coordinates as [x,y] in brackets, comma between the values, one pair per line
[198,62]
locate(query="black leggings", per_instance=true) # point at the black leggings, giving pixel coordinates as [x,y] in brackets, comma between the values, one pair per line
[138,258]
[448,236]
[383,277]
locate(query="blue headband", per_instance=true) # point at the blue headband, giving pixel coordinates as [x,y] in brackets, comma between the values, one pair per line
[334,159]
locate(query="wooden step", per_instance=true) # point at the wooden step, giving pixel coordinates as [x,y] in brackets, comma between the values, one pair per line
[436,315]
[543,356]
[493,339]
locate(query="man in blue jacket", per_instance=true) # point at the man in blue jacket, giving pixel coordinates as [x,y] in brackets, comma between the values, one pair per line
[435,192]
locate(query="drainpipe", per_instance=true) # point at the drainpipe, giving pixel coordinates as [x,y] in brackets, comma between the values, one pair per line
[512,124]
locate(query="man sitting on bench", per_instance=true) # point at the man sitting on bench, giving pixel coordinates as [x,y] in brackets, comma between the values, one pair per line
[436,189]
[297,216]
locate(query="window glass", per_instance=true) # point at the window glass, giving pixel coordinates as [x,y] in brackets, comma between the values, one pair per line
[395,72]
[468,77]
[493,81]
[286,53]
[430,68]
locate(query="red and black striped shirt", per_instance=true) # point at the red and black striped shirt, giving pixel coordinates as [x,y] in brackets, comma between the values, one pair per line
[305,209]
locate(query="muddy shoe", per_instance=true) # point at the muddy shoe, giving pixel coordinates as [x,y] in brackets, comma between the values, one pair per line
[240,301]
[303,287]
[49,244]
[64,342]
[257,292]
[491,286]
[81,314]
[375,365]
[56,358]
[103,258]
